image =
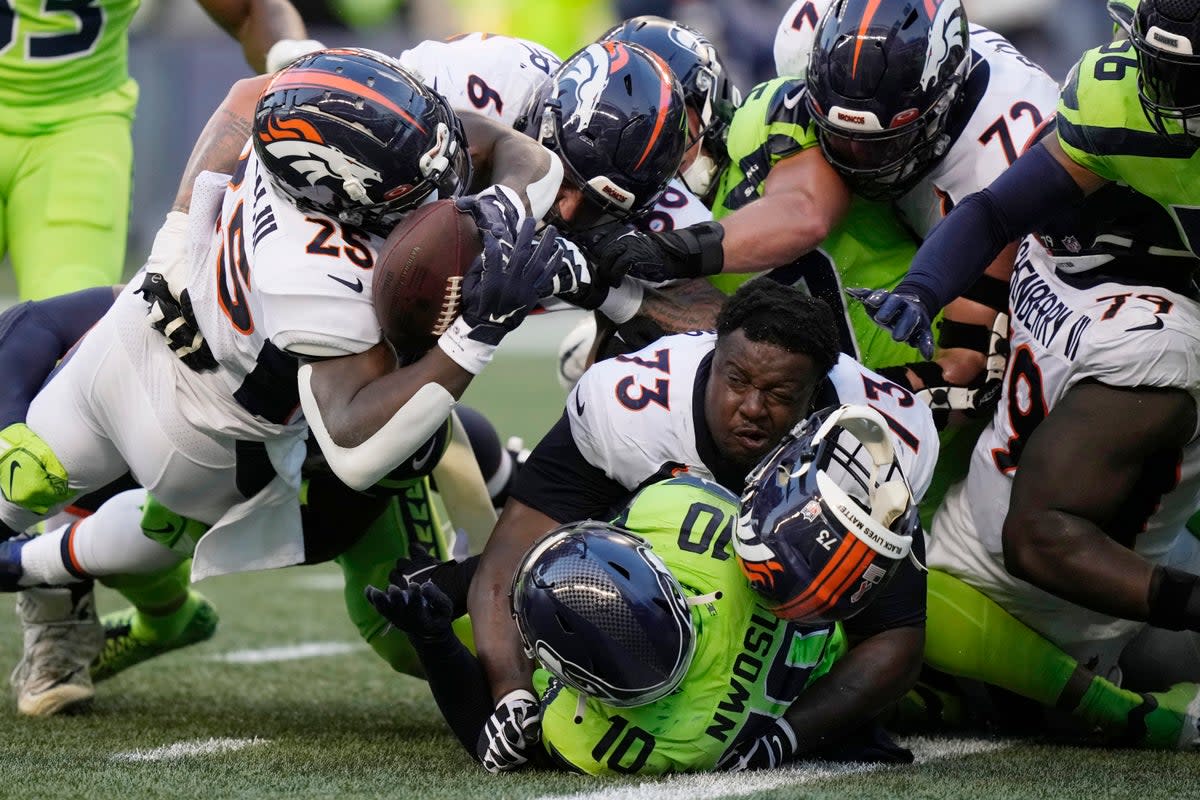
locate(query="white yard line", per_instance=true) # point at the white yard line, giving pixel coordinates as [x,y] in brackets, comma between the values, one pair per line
[196,747]
[294,652]
[714,785]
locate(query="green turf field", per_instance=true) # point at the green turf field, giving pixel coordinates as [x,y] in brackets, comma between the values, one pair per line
[286,702]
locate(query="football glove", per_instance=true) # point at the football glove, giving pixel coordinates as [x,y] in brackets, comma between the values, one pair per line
[285,51]
[511,733]
[174,319]
[902,315]
[421,610]
[772,749]
[505,281]
[689,252]
[497,209]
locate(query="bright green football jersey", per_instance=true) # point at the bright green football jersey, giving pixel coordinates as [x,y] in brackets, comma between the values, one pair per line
[869,247]
[748,664]
[1101,126]
[62,51]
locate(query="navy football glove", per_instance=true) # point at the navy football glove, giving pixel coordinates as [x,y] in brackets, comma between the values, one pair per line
[421,610]
[902,315]
[511,733]
[772,749]
[689,252]
[505,281]
[497,210]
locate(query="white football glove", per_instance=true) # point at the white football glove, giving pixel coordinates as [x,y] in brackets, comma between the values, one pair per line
[511,733]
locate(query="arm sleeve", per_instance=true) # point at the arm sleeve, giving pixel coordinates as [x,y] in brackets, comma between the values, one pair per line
[961,247]
[559,482]
[459,686]
[34,336]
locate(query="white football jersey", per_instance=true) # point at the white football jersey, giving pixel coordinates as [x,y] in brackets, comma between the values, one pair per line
[1011,98]
[270,282]
[1116,334]
[632,414]
[482,72]
[677,208]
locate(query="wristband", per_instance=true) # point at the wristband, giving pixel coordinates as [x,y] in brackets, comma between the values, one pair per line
[468,353]
[1174,599]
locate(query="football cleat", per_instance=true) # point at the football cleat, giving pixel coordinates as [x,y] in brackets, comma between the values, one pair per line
[62,636]
[127,644]
[1168,720]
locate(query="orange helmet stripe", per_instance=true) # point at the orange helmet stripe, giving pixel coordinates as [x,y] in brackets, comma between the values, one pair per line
[664,103]
[843,570]
[868,15]
[317,79]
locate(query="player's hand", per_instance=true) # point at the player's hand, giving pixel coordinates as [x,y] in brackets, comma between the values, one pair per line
[574,282]
[775,747]
[689,252]
[173,318]
[979,398]
[498,210]
[421,610]
[505,281]
[414,569]
[511,733]
[902,315]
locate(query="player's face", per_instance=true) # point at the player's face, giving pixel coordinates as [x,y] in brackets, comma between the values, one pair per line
[697,143]
[756,393]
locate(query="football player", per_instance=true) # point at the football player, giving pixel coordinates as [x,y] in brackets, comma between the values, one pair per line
[712,405]
[653,673]
[1128,113]
[239,374]
[931,111]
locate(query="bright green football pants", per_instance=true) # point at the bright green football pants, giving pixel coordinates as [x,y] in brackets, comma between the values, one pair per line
[64,204]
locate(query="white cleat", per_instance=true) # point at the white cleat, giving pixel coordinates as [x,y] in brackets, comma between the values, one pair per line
[62,638]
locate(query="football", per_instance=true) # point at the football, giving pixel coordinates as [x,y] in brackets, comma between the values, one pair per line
[418,274]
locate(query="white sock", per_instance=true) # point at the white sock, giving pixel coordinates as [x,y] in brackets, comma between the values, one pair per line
[109,542]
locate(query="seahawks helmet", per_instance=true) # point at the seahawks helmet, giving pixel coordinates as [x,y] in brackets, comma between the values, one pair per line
[602,613]
[827,517]
[707,89]
[351,134]
[1166,36]
[882,81]
[796,35]
[614,113]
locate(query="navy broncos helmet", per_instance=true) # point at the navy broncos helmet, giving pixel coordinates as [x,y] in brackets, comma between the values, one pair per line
[707,89]
[614,113]
[882,80]
[827,517]
[1166,35]
[351,134]
[602,613]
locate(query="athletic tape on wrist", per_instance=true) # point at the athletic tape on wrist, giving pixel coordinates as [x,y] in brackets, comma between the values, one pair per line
[468,353]
[623,301]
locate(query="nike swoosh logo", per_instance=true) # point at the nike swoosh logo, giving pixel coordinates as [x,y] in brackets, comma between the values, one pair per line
[1152,326]
[419,462]
[792,98]
[578,405]
[12,476]
[167,529]
[357,286]
[502,317]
